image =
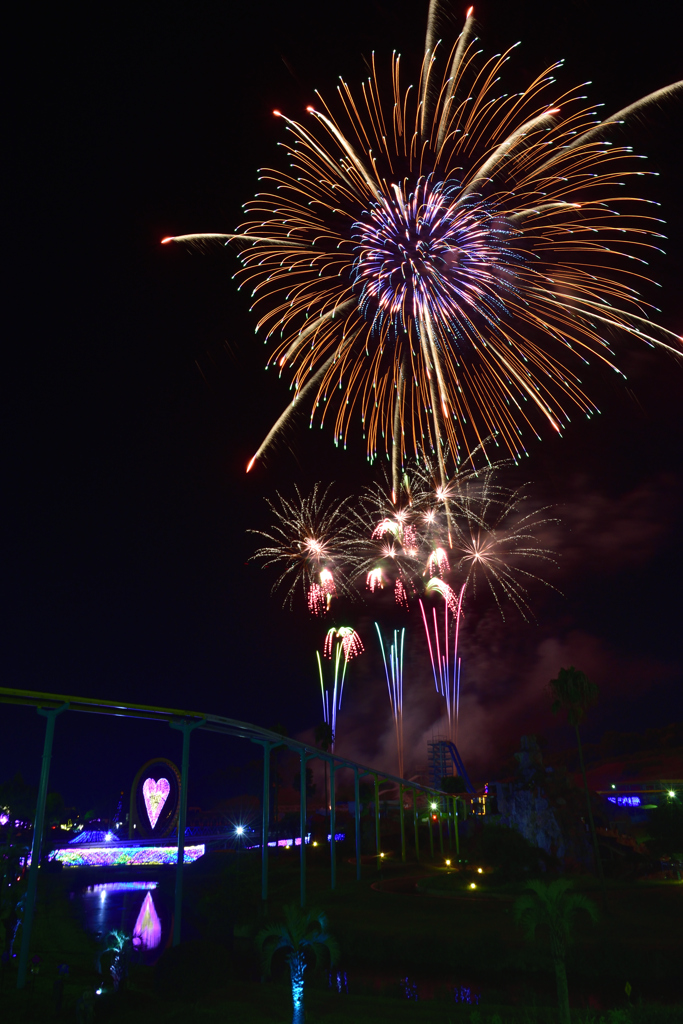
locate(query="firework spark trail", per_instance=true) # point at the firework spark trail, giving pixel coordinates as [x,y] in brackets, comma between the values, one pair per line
[446,259]
[394,676]
[446,672]
[310,541]
[341,645]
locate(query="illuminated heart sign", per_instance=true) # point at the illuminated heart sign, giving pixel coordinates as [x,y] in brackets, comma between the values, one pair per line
[156,795]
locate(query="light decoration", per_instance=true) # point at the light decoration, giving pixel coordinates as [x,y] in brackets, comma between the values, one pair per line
[112,856]
[393,670]
[148,926]
[4,817]
[155,795]
[341,645]
[625,801]
[286,843]
[92,836]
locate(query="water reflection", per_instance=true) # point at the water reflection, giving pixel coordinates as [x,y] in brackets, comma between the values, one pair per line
[128,907]
[147,929]
[464,994]
[339,981]
[409,988]
[416,988]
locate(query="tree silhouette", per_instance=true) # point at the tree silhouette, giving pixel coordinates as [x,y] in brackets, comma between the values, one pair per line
[553,907]
[574,693]
[302,933]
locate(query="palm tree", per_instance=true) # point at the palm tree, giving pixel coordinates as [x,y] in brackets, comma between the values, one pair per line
[553,907]
[302,933]
[115,954]
[574,693]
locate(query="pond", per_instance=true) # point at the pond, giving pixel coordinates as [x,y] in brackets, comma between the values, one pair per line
[131,907]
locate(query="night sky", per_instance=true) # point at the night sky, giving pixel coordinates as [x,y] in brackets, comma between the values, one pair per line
[134,394]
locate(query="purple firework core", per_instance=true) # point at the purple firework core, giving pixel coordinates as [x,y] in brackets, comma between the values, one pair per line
[432,255]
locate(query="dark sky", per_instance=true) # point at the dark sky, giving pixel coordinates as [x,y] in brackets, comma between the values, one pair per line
[134,394]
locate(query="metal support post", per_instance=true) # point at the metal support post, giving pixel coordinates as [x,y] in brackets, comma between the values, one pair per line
[333,827]
[265,819]
[377,841]
[357,804]
[440,830]
[401,812]
[30,899]
[448,823]
[431,829]
[187,728]
[455,823]
[302,824]
[417,837]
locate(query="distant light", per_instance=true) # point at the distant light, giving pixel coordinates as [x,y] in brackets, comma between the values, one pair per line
[613,786]
[239,830]
[433,807]
[448,863]
[472,885]
[672,792]
[315,843]
[381,854]
[109,836]
[480,870]
[98,991]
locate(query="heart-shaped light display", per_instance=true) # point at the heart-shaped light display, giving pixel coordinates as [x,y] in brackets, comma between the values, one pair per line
[156,795]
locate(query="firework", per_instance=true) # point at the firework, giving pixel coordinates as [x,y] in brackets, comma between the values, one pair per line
[341,645]
[443,260]
[393,669]
[446,670]
[309,542]
[496,542]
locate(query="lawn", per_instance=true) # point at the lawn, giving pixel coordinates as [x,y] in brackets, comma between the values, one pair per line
[418,922]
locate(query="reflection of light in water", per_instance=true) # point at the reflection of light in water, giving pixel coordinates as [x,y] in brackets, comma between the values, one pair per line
[464,994]
[338,980]
[409,988]
[121,886]
[148,926]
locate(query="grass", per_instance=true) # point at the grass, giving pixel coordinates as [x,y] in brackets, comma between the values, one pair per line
[468,938]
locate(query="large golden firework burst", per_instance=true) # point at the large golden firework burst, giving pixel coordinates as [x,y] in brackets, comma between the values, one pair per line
[444,259]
